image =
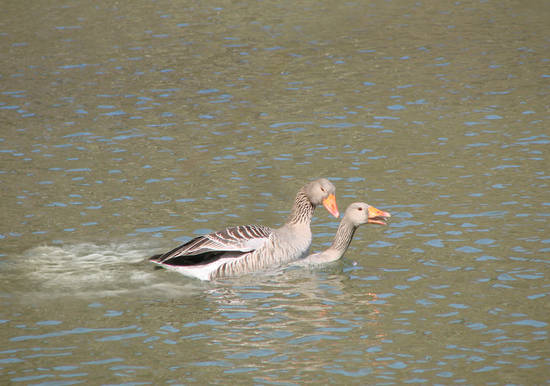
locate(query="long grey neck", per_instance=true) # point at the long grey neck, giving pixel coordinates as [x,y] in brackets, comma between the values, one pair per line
[343,236]
[302,210]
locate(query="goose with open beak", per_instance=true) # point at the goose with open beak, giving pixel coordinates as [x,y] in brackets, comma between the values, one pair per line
[356,214]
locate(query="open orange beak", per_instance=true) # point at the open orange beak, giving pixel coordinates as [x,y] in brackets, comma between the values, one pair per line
[330,204]
[377,216]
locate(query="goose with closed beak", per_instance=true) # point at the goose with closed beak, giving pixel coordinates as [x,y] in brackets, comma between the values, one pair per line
[249,248]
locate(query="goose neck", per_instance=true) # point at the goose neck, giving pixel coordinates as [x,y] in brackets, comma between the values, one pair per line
[302,210]
[344,235]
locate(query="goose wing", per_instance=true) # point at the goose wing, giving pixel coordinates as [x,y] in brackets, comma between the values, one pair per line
[205,249]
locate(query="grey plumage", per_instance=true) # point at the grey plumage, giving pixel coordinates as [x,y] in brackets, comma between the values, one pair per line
[249,248]
[356,214]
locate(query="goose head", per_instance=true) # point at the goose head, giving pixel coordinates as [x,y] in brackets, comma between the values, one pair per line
[322,192]
[361,213]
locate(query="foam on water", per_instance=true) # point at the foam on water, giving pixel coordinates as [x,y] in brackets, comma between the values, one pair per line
[89,269]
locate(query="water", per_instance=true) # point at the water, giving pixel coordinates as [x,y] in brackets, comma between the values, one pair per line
[130,128]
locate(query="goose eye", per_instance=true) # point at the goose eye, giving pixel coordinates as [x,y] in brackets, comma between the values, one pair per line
[359,208]
[322,189]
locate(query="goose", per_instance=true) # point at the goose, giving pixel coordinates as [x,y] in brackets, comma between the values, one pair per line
[243,249]
[356,214]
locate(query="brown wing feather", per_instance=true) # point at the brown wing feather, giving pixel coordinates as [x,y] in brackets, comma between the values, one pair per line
[210,247]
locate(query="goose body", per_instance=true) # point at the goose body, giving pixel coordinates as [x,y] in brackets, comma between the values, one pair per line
[356,214]
[248,248]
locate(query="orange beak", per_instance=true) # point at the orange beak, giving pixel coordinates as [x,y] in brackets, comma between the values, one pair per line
[377,216]
[330,204]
